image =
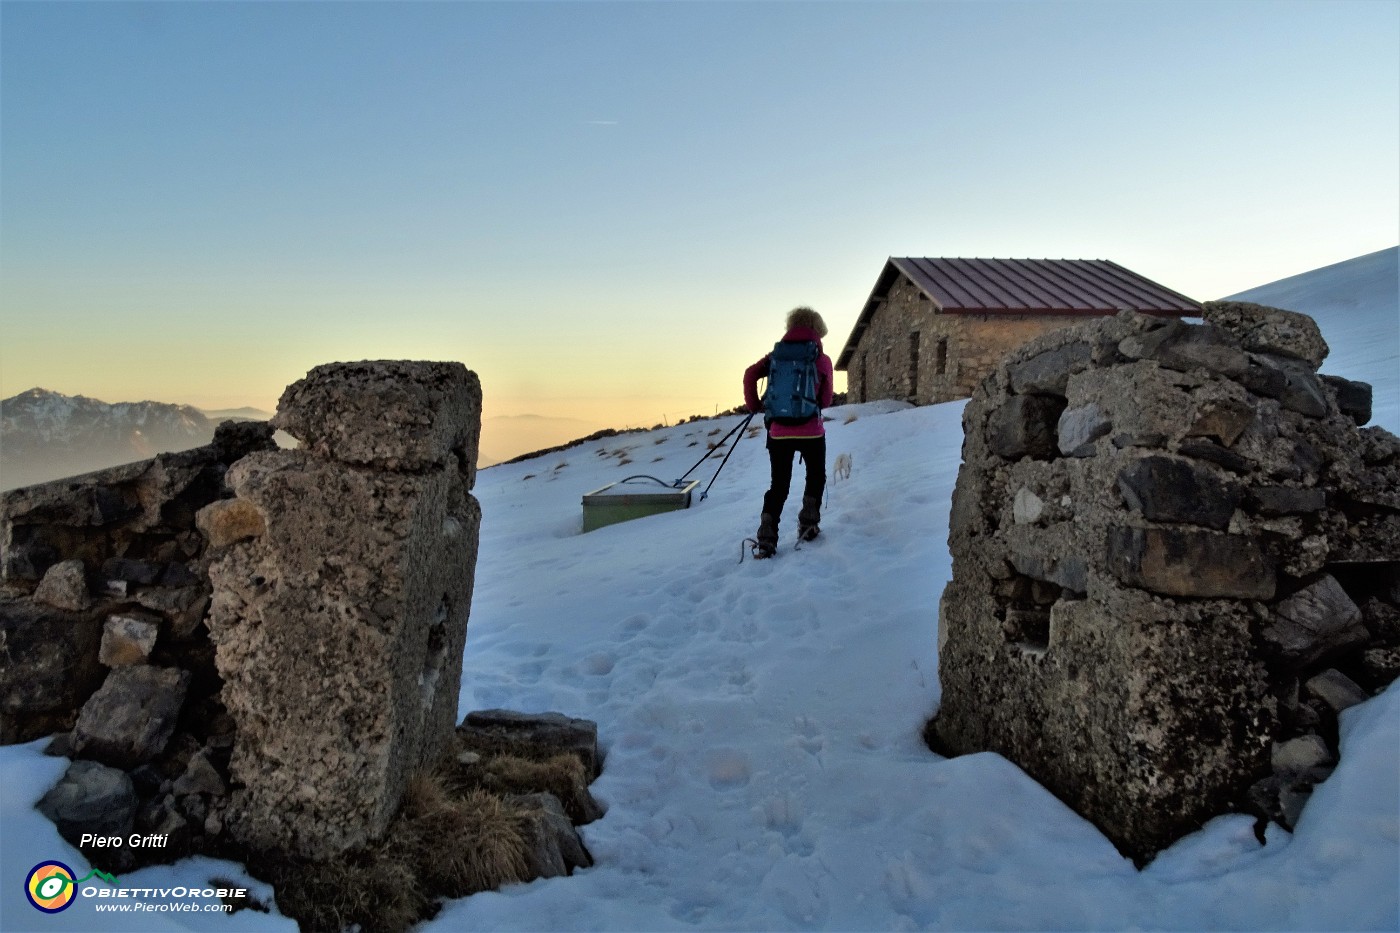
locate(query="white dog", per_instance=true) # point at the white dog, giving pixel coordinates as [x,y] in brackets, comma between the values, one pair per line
[841,468]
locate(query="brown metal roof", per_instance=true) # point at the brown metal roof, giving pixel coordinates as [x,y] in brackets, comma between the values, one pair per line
[1022,286]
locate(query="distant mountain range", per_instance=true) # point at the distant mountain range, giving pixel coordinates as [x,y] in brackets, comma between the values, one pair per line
[47,435]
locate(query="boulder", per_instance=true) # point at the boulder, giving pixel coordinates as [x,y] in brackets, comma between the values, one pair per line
[1184,562]
[1079,428]
[552,845]
[1353,398]
[1048,373]
[91,798]
[1269,330]
[541,734]
[1318,622]
[1335,689]
[1169,489]
[128,638]
[391,414]
[50,668]
[1024,426]
[64,586]
[131,716]
[230,520]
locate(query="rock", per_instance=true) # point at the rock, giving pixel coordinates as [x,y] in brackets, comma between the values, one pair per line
[1307,755]
[90,798]
[1214,453]
[1027,507]
[64,586]
[1286,500]
[1182,562]
[1024,427]
[1269,330]
[1222,419]
[1302,391]
[183,608]
[1167,489]
[131,716]
[50,667]
[1319,621]
[128,639]
[553,847]
[1185,347]
[230,520]
[1069,572]
[1079,428]
[1381,665]
[545,733]
[1048,373]
[140,572]
[393,414]
[1353,398]
[200,777]
[1335,689]
[234,440]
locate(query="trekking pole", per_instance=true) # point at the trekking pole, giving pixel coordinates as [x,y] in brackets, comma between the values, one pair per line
[728,455]
[739,427]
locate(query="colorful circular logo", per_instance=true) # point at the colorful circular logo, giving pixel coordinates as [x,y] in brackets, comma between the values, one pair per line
[49,887]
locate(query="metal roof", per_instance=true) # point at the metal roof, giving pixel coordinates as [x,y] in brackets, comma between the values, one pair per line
[1022,286]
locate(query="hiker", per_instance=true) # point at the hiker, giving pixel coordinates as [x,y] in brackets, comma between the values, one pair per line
[794,423]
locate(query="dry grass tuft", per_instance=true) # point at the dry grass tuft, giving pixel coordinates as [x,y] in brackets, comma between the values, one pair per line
[850,418]
[447,841]
[459,844]
[365,889]
[562,775]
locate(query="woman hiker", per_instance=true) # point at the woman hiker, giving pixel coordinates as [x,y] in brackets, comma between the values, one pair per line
[792,428]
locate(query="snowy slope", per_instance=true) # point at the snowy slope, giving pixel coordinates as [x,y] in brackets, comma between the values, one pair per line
[760,722]
[1356,303]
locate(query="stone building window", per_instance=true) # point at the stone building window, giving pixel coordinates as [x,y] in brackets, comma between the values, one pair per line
[940,358]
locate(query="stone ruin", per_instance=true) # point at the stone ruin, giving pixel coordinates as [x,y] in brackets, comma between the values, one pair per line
[1176,558]
[251,650]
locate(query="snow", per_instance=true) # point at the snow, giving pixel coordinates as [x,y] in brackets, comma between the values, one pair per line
[760,721]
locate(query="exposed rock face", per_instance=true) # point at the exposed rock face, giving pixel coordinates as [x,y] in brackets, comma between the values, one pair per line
[340,604]
[1136,600]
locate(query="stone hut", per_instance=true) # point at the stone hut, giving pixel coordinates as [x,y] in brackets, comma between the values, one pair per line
[933,328]
[1176,557]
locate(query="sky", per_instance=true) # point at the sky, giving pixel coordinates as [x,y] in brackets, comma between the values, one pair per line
[606,209]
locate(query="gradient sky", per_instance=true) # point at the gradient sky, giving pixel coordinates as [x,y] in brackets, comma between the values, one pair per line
[605,209]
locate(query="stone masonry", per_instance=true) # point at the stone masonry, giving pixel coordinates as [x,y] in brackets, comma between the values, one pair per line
[341,594]
[913,353]
[1175,552]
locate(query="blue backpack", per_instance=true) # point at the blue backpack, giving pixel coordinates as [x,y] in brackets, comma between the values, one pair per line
[791,395]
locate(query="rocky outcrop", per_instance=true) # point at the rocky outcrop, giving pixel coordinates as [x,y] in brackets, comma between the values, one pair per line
[341,594]
[1163,538]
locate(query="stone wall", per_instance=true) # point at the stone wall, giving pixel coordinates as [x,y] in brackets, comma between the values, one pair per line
[249,647]
[342,587]
[890,364]
[951,354]
[1175,557]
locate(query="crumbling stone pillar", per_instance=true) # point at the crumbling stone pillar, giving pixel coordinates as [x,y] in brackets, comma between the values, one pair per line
[1148,532]
[341,596]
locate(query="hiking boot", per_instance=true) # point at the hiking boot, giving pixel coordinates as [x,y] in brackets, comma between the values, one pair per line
[767,536]
[765,543]
[809,518]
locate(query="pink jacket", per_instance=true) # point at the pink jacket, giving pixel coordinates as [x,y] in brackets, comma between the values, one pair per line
[759,370]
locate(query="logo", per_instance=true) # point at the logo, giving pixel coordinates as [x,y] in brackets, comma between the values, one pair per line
[50,887]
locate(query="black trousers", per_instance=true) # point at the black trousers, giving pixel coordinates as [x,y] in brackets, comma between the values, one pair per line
[781,451]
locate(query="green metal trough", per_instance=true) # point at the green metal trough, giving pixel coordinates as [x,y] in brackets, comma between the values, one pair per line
[624,501]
